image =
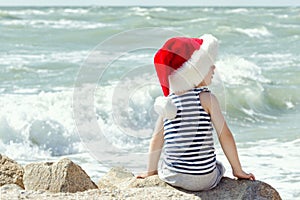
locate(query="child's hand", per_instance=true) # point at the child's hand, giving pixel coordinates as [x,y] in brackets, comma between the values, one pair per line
[243,175]
[145,175]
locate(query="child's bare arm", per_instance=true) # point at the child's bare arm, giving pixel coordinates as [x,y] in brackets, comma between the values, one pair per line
[155,148]
[211,104]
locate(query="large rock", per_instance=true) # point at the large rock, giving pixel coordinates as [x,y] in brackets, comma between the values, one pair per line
[62,176]
[10,172]
[227,189]
[240,189]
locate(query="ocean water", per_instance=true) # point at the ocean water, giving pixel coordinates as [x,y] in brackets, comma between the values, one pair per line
[79,82]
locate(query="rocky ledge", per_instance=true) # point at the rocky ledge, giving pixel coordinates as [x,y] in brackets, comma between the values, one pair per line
[66,180]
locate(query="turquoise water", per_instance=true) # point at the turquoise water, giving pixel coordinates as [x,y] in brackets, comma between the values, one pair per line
[43,51]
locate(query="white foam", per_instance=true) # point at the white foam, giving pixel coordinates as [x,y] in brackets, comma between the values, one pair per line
[273,56]
[140,11]
[280,25]
[56,24]
[129,106]
[135,57]
[255,32]
[30,11]
[18,60]
[24,152]
[76,11]
[159,9]
[235,70]
[289,104]
[27,12]
[201,19]
[285,16]
[43,120]
[237,10]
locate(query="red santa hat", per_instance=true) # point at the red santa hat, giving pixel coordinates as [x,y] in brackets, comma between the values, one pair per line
[181,64]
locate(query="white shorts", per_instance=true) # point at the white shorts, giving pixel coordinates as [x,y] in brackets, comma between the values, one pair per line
[192,182]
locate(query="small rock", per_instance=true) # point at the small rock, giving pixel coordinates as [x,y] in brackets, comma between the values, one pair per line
[151,181]
[10,187]
[115,178]
[10,190]
[10,172]
[62,176]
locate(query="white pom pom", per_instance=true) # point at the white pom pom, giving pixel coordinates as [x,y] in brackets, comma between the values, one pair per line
[210,45]
[165,107]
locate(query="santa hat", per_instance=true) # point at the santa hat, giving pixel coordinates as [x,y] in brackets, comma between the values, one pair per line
[181,64]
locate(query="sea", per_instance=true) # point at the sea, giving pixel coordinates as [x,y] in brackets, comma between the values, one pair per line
[79,82]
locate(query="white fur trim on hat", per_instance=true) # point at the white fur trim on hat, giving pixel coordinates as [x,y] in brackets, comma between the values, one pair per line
[165,107]
[193,71]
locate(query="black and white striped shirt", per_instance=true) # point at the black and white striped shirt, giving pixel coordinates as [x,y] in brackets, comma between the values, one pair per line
[188,138]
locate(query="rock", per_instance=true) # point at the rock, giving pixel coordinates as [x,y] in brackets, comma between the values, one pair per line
[11,186]
[151,181]
[120,177]
[240,189]
[62,176]
[10,172]
[227,189]
[10,191]
[116,177]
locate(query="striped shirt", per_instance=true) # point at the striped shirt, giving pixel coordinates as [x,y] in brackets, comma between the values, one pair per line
[188,138]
